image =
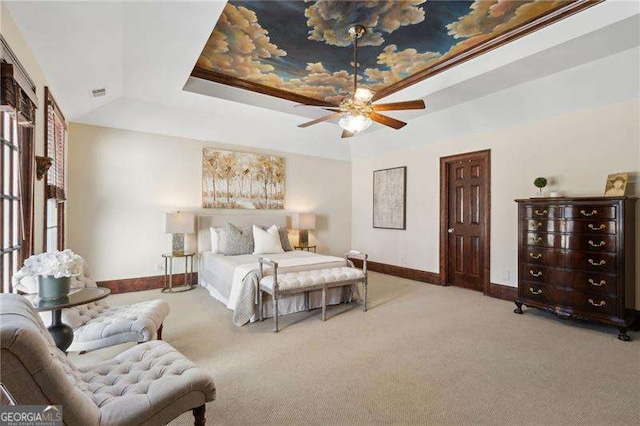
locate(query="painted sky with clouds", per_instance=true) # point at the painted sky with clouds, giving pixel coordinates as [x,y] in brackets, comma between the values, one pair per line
[303,46]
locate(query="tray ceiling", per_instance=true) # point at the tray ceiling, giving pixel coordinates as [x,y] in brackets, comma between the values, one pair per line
[301,50]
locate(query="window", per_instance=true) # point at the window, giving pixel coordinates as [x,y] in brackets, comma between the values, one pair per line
[10,233]
[17,114]
[56,130]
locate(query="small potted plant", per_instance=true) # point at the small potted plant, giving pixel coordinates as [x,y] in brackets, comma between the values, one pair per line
[53,271]
[540,183]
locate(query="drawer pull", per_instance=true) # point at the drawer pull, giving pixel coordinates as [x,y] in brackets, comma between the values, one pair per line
[535,255]
[600,284]
[600,303]
[539,291]
[600,244]
[537,225]
[584,213]
[541,213]
[537,240]
[535,274]
[593,262]
[599,228]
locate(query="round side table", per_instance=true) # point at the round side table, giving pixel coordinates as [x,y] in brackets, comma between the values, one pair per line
[62,333]
[168,272]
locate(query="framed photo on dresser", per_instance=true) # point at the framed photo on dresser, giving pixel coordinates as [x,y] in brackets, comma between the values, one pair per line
[390,198]
[616,185]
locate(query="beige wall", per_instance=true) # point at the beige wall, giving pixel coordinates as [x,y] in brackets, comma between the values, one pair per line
[122,182]
[16,41]
[577,151]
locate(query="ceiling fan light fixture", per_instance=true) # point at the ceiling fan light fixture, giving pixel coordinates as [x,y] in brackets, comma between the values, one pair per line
[355,122]
[363,95]
[357,109]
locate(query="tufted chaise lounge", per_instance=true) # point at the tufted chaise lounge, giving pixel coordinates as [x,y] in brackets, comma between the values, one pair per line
[99,325]
[149,384]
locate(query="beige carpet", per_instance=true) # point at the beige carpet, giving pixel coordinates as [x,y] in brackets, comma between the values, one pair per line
[422,354]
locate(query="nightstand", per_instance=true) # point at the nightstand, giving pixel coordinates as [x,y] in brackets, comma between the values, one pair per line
[307,248]
[168,272]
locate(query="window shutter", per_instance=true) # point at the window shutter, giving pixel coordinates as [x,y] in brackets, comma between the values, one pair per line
[56,128]
[9,95]
[13,98]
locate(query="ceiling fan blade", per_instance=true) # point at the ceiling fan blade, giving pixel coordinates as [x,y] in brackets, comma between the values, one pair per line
[346,134]
[316,106]
[336,109]
[321,119]
[387,121]
[394,106]
[378,95]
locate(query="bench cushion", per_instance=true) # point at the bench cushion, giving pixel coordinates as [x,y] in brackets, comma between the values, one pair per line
[303,279]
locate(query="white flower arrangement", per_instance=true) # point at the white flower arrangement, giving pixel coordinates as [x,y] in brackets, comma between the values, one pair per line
[57,264]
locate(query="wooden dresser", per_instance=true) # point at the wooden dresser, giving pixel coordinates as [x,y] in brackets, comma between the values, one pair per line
[576,258]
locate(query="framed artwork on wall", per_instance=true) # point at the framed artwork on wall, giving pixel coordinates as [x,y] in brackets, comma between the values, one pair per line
[616,185]
[390,198]
[240,180]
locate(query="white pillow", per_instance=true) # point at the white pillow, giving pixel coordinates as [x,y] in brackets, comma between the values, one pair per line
[265,242]
[217,240]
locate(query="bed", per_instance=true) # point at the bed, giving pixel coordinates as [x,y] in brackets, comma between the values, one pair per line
[232,280]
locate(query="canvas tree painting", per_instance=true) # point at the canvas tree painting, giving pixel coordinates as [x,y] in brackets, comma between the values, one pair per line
[238,180]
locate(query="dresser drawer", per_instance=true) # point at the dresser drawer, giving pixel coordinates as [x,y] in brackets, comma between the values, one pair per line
[595,243]
[541,293]
[541,274]
[590,212]
[591,227]
[540,211]
[594,262]
[594,282]
[543,225]
[594,303]
[542,239]
[542,256]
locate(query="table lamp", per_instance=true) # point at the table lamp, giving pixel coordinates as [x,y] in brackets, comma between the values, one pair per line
[303,222]
[178,224]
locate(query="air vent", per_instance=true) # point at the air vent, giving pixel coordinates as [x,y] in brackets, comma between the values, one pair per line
[99,92]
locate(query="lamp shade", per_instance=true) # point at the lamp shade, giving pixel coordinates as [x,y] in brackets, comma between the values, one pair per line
[179,223]
[303,221]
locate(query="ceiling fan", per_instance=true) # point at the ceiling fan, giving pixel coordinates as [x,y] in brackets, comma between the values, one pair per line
[357,110]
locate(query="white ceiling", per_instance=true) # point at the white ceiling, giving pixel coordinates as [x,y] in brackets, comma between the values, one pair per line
[143,53]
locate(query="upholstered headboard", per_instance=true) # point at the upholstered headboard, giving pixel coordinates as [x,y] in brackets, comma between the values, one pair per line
[240,219]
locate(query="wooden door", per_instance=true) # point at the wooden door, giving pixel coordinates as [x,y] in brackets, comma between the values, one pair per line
[465,221]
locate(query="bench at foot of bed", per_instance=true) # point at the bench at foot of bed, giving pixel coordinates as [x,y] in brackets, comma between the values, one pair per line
[280,285]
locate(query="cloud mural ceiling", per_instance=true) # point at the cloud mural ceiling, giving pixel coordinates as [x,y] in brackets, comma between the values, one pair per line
[301,49]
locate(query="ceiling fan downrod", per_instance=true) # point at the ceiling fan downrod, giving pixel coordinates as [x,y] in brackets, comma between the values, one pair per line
[356,32]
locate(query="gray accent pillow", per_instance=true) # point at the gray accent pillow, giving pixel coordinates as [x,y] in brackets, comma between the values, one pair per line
[238,241]
[284,239]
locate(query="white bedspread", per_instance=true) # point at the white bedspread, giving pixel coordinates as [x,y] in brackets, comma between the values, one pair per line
[233,280]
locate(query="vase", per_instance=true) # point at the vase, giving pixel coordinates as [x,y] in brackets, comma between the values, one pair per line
[51,288]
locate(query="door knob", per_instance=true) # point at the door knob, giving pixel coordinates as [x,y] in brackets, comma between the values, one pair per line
[450,230]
